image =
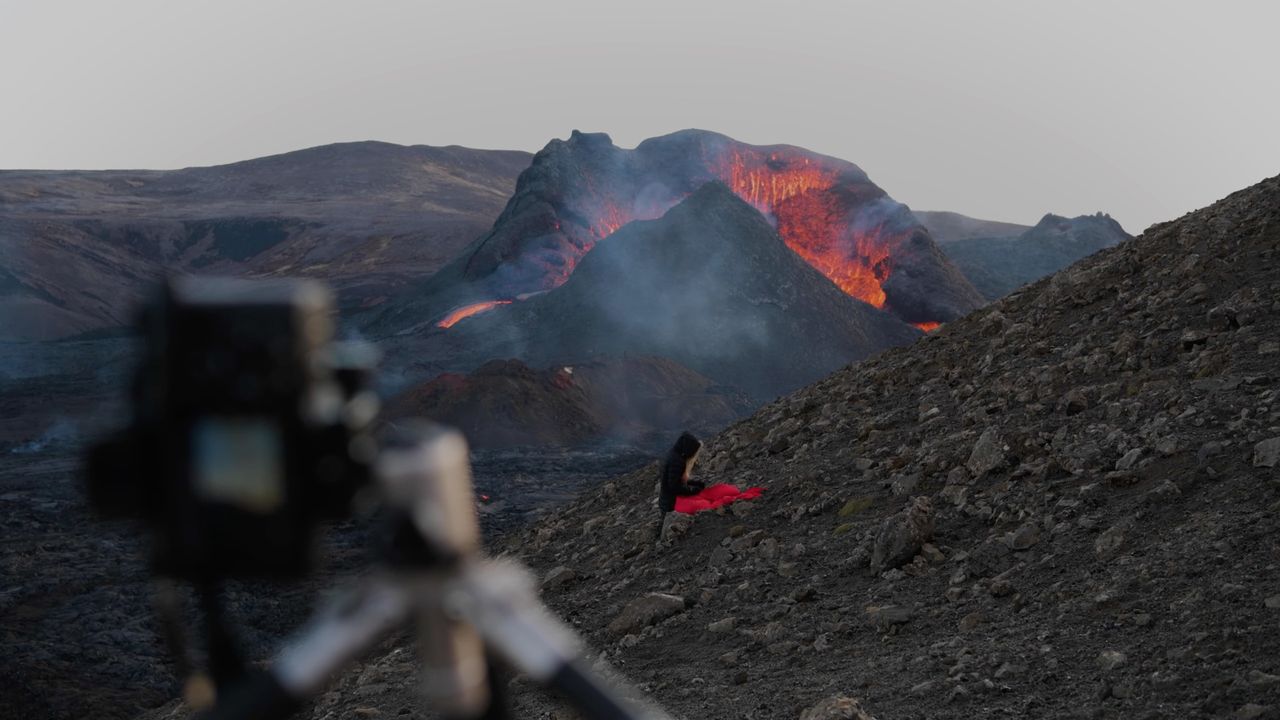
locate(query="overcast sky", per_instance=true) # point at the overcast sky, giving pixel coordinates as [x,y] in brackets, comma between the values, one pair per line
[1002,109]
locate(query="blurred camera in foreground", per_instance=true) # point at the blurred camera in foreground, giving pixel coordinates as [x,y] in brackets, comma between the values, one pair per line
[250,424]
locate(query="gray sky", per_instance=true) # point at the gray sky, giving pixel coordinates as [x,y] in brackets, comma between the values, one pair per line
[1002,109]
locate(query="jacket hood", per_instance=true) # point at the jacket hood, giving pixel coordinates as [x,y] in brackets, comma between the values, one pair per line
[687,445]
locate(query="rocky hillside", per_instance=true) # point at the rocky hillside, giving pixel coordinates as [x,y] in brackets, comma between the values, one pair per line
[77,247]
[1063,505]
[632,399]
[998,265]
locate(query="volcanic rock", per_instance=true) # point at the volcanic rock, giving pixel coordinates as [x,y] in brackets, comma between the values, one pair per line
[645,611]
[722,626]
[837,707]
[558,576]
[901,536]
[1267,453]
[675,526]
[988,453]
[887,616]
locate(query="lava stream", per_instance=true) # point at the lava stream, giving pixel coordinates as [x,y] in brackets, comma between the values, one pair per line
[798,195]
[467,311]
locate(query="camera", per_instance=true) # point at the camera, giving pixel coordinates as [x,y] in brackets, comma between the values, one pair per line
[250,425]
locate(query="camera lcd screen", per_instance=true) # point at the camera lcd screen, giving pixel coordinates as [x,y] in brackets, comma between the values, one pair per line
[239,461]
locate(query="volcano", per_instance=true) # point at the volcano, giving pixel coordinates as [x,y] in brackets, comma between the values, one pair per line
[579,192]
[710,285]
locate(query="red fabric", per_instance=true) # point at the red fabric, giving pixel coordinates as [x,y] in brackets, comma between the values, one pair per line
[713,497]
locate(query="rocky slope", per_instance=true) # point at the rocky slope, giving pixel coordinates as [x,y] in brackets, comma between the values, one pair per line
[77,247]
[709,285]
[1063,505]
[630,399]
[998,265]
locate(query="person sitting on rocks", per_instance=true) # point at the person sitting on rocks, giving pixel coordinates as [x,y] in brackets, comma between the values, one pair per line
[673,479]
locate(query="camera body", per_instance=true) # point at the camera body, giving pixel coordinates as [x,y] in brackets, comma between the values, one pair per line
[250,424]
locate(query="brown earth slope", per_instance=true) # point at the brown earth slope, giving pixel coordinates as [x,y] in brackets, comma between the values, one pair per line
[1069,498]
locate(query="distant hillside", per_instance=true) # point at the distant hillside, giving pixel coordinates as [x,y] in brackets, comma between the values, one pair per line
[76,247]
[998,265]
[948,226]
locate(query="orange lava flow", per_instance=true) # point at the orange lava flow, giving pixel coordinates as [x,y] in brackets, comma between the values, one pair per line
[611,218]
[927,326]
[467,311]
[753,179]
[795,191]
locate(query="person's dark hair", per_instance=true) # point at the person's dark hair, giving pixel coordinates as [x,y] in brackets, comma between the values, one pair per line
[686,445]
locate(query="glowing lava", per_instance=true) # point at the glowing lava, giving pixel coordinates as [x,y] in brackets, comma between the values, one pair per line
[467,311]
[927,326]
[798,194]
[611,217]
[768,181]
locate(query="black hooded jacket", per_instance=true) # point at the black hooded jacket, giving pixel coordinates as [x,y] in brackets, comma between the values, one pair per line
[671,476]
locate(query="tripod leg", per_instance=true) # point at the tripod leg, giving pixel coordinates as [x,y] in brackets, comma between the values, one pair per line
[498,600]
[498,707]
[226,662]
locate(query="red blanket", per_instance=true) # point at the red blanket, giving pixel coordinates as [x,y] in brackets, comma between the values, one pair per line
[715,496]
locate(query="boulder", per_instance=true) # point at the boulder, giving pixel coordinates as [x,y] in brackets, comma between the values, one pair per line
[558,576]
[1267,453]
[836,707]
[901,536]
[675,526]
[988,453]
[646,610]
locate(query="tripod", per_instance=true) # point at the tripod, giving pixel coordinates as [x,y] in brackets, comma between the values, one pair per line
[465,607]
